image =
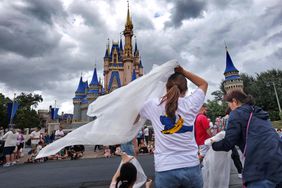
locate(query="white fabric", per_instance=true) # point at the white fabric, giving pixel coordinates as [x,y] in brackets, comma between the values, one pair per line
[219,136]
[10,139]
[141,177]
[36,136]
[178,150]
[216,166]
[116,112]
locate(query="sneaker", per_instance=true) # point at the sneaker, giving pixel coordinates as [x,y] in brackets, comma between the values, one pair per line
[6,165]
[13,163]
[240,176]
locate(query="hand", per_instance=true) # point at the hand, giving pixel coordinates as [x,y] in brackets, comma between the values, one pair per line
[148,184]
[212,141]
[179,69]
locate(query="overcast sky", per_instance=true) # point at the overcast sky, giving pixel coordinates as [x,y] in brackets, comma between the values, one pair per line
[46,45]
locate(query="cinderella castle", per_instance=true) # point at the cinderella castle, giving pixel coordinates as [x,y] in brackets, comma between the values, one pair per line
[121,66]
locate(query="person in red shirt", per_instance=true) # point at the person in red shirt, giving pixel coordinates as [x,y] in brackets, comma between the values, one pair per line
[202,131]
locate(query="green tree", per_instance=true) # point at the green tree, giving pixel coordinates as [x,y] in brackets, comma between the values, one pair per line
[26,118]
[215,109]
[4,120]
[27,100]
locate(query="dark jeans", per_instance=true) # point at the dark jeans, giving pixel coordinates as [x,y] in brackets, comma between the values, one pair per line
[261,184]
[236,159]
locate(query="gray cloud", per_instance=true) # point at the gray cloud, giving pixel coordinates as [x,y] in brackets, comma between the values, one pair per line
[89,12]
[183,10]
[22,33]
[42,10]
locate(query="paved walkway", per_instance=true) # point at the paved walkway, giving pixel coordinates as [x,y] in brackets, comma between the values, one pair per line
[93,171]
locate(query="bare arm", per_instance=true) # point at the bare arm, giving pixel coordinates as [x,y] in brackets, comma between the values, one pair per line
[209,132]
[197,80]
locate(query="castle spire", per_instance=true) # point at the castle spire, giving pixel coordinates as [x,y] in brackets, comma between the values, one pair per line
[128,18]
[229,63]
[94,80]
[80,88]
[120,44]
[232,78]
[135,49]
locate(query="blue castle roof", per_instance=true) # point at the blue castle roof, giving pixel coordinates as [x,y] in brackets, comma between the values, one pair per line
[81,86]
[114,75]
[133,75]
[119,51]
[229,64]
[120,44]
[94,80]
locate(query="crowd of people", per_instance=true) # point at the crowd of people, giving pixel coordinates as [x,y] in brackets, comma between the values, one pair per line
[14,140]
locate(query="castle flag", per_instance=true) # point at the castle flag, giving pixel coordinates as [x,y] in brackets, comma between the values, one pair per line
[54,113]
[12,109]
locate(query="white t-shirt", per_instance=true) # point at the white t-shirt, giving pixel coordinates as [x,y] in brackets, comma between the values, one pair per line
[177,150]
[10,139]
[36,137]
[59,134]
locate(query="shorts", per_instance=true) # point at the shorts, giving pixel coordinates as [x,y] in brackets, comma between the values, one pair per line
[9,150]
[203,149]
[20,146]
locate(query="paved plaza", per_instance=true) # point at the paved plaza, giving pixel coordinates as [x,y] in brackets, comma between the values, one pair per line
[83,173]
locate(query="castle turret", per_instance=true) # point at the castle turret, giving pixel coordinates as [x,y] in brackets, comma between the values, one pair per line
[79,95]
[127,53]
[93,91]
[232,78]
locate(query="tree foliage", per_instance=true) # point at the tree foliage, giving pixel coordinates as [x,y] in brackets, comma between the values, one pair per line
[25,116]
[27,100]
[4,120]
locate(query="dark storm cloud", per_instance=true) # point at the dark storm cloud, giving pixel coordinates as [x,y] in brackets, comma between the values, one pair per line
[42,10]
[183,10]
[27,29]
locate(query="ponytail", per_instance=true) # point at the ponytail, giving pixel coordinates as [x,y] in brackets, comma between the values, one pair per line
[171,99]
[175,86]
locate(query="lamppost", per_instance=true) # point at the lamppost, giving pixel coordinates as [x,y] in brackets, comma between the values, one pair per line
[277,98]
